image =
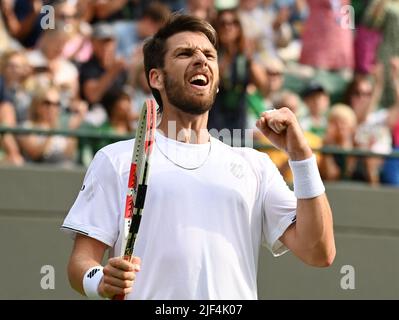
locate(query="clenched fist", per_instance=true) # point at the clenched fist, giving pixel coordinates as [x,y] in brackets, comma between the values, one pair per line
[119,276]
[283,130]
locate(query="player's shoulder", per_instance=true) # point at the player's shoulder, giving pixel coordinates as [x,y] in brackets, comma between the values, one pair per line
[118,154]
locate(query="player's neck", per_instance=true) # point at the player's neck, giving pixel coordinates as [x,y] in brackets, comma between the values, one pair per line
[184,127]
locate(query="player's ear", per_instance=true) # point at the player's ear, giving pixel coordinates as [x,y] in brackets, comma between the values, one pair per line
[156,79]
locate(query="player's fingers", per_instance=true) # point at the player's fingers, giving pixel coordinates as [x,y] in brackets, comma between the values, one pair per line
[111,290]
[117,273]
[117,282]
[121,264]
[136,262]
[277,125]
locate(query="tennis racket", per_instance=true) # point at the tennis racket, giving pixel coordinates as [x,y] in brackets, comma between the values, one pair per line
[138,177]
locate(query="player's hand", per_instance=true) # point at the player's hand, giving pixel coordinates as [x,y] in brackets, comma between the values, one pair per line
[282,129]
[119,276]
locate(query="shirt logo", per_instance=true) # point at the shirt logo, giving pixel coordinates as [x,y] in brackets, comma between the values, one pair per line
[83,187]
[237,170]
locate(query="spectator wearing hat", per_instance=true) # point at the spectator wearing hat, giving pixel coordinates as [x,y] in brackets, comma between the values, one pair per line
[104,71]
[317,101]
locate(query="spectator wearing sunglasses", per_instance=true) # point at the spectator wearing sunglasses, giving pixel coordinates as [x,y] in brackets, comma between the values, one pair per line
[45,115]
[373,133]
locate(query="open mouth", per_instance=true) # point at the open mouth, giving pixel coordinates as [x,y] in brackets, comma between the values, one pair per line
[199,80]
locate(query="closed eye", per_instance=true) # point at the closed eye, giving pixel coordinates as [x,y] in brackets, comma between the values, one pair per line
[183,54]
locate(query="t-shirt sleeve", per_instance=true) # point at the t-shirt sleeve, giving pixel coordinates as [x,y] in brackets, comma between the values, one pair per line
[278,206]
[97,209]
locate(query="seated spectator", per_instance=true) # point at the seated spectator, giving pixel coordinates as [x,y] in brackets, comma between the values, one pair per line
[14,70]
[56,69]
[104,71]
[317,101]
[340,133]
[373,131]
[45,114]
[118,106]
[390,170]
[78,47]
[131,35]
[275,75]
[9,149]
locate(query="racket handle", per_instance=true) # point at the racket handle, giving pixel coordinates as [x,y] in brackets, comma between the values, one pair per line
[121,296]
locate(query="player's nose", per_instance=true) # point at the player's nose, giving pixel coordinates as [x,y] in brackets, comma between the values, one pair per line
[200,59]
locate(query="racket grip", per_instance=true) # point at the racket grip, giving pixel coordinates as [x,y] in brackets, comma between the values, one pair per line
[121,296]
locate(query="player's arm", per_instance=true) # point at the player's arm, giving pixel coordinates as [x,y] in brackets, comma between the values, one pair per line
[118,274]
[311,238]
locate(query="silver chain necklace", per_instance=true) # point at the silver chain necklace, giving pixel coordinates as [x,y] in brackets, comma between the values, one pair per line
[187,168]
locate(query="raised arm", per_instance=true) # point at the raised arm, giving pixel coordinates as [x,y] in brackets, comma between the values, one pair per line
[311,238]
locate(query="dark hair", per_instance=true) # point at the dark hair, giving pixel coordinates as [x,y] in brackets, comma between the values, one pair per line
[155,47]
[240,43]
[352,88]
[111,98]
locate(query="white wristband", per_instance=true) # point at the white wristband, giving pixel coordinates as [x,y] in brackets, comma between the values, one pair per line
[91,281]
[307,180]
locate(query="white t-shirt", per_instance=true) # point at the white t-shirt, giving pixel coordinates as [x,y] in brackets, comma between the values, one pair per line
[201,229]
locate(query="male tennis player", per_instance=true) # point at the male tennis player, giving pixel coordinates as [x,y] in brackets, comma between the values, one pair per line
[209,206]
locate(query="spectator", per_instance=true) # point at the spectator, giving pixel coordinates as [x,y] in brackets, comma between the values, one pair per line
[57,70]
[275,74]
[78,47]
[390,170]
[117,10]
[203,9]
[317,101]
[236,70]
[264,29]
[45,114]
[11,152]
[23,18]
[103,72]
[131,35]
[373,133]
[118,106]
[384,16]
[326,43]
[14,70]
[7,43]
[340,133]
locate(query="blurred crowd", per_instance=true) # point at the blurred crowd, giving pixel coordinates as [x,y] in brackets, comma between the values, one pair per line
[78,64]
